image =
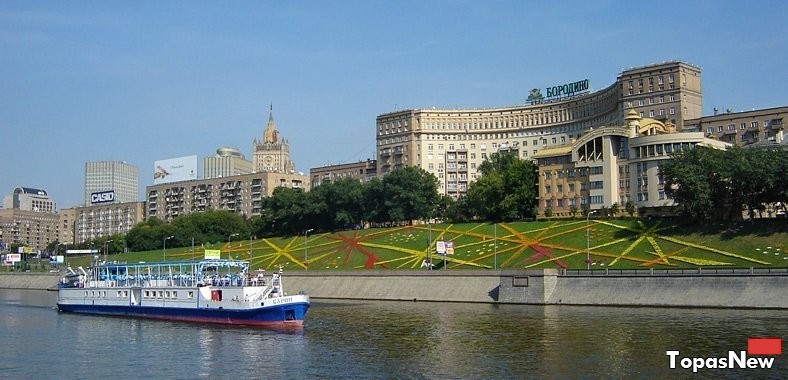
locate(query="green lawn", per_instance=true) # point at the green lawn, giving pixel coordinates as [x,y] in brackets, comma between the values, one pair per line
[612,243]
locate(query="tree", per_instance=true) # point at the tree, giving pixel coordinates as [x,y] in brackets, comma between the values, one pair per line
[505,189]
[411,193]
[614,209]
[630,208]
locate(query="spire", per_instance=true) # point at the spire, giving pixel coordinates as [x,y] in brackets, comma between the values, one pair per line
[271,135]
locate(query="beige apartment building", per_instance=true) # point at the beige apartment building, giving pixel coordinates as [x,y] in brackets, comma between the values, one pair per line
[28,228]
[80,224]
[761,127]
[452,143]
[242,194]
[362,171]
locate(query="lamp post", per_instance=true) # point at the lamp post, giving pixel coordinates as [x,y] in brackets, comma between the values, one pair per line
[306,254]
[106,248]
[588,241]
[165,246]
[229,238]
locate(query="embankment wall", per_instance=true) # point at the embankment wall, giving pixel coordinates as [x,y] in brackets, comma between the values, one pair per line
[538,287]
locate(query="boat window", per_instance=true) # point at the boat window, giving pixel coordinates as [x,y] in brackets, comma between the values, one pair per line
[119,294]
[168,294]
[125,293]
[175,294]
[147,293]
[191,295]
[104,293]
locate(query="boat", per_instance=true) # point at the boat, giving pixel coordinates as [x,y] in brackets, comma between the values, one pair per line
[220,291]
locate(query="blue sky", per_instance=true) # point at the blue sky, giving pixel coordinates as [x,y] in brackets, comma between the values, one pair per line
[141,81]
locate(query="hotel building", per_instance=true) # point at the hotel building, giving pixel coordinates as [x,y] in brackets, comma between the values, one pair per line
[452,143]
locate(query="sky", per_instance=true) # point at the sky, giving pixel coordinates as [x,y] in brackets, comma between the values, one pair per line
[141,81]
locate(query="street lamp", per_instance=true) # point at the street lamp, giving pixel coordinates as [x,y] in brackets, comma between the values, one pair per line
[588,241]
[165,246]
[306,254]
[229,238]
[106,248]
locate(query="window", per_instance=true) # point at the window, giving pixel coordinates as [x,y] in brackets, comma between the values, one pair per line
[547,189]
[754,124]
[709,130]
[651,113]
[672,110]
[743,126]
[731,127]
[596,170]
[719,128]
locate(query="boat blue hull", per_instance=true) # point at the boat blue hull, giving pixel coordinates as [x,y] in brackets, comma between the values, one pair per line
[291,314]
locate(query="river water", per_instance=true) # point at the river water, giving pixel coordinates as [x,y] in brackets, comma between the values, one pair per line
[343,339]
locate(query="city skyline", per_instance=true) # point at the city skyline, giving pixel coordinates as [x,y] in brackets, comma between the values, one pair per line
[142,82]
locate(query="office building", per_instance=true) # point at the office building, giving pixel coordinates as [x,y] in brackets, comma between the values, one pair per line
[111,182]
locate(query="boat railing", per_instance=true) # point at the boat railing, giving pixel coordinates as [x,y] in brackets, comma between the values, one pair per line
[176,280]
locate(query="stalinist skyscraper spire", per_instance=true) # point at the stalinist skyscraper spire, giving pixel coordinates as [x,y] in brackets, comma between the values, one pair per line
[272,153]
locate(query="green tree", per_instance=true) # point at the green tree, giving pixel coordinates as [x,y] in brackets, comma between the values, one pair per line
[505,189]
[630,208]
[411,194]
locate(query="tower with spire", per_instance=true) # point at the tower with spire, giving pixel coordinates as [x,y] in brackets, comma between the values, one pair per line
[272,153]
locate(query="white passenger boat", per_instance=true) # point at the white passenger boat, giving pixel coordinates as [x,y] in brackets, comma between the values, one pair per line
[216,291]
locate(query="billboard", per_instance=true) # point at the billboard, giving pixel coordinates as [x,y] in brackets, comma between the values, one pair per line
[213,254]
[175,170]
[102,197]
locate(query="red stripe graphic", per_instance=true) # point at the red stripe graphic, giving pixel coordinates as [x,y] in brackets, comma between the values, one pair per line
[765,346]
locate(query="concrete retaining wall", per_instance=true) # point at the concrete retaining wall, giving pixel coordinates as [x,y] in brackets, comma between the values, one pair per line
[749,291]
[519,287]
[41,281]
[446,286]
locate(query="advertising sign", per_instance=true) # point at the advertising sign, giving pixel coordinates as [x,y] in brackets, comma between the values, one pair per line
[440,247]
[13,257]
[175,170]
[102,197]
[449,247]
[213,254]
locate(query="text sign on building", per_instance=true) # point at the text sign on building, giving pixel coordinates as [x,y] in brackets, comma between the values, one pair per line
[102,197]
[559,92]
[569,89]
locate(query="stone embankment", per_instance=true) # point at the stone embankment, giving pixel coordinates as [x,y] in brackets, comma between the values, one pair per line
[17,280]
[743,288]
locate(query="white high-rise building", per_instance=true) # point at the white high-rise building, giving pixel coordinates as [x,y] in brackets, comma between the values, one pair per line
[115,177]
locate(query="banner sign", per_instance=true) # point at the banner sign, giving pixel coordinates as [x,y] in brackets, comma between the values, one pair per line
[213,254]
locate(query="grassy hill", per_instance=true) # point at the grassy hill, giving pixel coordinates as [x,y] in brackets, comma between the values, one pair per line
[613,243]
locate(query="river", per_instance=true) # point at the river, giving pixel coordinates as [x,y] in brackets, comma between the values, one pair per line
[385,340]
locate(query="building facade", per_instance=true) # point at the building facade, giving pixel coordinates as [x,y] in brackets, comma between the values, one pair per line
[227,162]
[29,218]
[760,127]
[363,171]
[452,143]
[81,224]
[30,199]
[613,165]
[241,194]
[117,177]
